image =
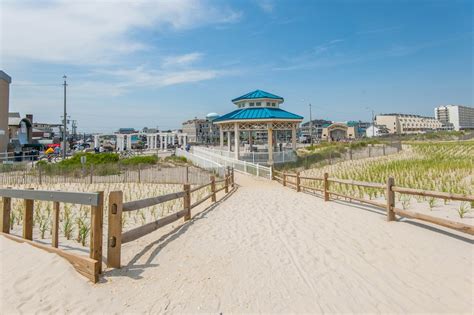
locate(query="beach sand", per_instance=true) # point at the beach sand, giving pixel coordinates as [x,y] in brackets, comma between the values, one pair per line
[266,249]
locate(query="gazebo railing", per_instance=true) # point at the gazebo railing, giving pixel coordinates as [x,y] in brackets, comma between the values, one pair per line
[238,165]
[256,157]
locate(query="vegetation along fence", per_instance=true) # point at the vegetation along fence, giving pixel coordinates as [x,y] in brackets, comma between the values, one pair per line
[90,266]
[322,185]
[24,174]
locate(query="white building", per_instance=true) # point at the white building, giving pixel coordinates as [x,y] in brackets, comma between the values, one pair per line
[376,131]
[407,123]
[460,117]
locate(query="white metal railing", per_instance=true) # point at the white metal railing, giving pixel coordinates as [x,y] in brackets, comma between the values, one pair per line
[202,162]
[257,157]
[239,166]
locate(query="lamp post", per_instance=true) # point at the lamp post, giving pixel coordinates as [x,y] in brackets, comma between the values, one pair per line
[310,126]
[64,121]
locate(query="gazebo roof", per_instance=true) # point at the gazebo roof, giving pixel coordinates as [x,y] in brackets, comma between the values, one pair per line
[257,114]
[257,94]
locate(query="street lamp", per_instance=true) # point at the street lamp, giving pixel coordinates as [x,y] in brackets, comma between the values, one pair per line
[64,120]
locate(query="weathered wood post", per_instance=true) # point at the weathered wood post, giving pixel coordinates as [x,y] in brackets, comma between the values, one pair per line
[298,180]
[213,188]
[97,215]
[326,187]
[55,225]
[390,199]
[284,178]
[226,183]
[114,240]
[5,217]
[383,149]
[272,172]
[350,153]
[187,174]
[139,173]
[187,202]
[40,177]
[233,179]
[28,219]
[92,174]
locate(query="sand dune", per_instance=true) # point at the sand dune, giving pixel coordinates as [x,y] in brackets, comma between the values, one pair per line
[264,249]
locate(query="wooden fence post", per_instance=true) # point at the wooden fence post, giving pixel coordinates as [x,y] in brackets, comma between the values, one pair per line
[390,199]
[55,225]
[213,188]
[5,217]
[283,179]
[97,215]
[187,202]
[326,187]
[226,184]
[350,153]
[272,172]
[139,174]
[40,177]
[28,219]
[187,174]
[298,188]
[114,236]
[92,174]
[383,149]
[233,179]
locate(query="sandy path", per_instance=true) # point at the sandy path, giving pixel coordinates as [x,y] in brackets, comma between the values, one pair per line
[265,249]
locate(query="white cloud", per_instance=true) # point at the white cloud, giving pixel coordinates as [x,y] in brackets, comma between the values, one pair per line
[266,5]
[182,60]
[92,32]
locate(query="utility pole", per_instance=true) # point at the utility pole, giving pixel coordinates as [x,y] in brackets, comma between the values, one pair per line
[64,121]
[310,126]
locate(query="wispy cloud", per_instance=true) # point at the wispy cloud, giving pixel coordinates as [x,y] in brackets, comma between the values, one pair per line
[266,5]
[182,60]
[94,32]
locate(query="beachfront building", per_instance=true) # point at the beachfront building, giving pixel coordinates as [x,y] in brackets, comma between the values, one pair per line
[407,123]
[5,81]
[258,112]
[339,131]
[202,131]
[456,116]
[313,129]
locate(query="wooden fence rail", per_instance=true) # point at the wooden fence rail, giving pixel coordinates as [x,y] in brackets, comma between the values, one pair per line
[90,266]
[116,208]
[390,190]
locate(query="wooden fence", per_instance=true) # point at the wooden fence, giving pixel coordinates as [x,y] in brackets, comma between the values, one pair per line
[294,180]
[117,207]
[139,174]
[90,266]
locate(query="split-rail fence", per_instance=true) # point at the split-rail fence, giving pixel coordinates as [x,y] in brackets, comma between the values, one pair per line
[300,183]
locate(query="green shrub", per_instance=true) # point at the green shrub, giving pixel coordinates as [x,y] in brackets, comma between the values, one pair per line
[136,160]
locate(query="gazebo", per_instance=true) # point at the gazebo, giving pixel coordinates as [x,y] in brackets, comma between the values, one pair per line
[257,112]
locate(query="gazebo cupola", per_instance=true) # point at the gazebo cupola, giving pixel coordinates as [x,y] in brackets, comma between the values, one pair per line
[258,98]
[257,111]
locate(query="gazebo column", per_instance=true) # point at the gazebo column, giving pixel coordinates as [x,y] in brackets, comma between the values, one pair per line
[228,141]
[221,138]
[293,136]
[270,143]
[237,139]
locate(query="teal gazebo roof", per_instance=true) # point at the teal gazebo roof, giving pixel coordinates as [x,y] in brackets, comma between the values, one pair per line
[257,94]
[258,114]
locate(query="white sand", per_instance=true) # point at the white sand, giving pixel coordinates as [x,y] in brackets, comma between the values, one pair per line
[265,249]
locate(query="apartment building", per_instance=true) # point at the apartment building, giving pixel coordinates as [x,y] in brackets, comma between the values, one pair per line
[201,131]
[457,116]
[407,123]
[5,81]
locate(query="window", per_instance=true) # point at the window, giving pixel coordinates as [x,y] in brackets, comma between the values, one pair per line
[273,104]
[259,104]
[251,104]
[268,104]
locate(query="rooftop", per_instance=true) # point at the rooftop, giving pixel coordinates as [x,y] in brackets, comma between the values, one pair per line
[258,113]
[256,95]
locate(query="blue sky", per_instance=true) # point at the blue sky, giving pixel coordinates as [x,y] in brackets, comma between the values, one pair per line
[158,63]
